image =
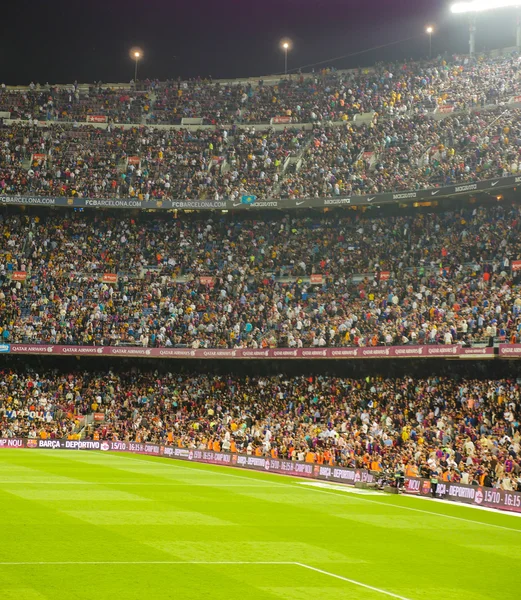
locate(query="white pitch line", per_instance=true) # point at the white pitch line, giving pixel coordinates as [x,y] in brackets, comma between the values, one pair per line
[427,512]
[353,581]
[153,484]
[296,486]
[147,562]
[201,562]
[173,464]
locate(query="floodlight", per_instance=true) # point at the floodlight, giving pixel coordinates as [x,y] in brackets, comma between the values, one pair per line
[482,5]
[285,45]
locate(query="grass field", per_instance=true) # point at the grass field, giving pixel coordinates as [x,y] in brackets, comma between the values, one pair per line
[85,525]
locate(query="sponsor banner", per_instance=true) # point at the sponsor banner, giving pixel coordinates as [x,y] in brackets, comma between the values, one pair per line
[19,275]
[405,195]
[281,119]
[96,119]
[316,278]
[510,350]
[241,353]
[269,204]
[209,281]
[516,265]
[5,348]
[455,492]
[12,443]
[332,202]
[109,277]
[467,494]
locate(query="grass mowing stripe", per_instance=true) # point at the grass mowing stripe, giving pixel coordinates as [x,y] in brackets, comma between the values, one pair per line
[353,581]
[122,552]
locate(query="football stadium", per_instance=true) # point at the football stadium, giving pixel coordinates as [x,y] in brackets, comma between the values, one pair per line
[261,336]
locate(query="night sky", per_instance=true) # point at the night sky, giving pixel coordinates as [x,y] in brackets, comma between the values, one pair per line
[63,41]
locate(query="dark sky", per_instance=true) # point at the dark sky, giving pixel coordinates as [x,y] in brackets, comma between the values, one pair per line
[65,40]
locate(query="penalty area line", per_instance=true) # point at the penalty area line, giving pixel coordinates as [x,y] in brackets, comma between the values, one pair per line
[202,562]
[353,581]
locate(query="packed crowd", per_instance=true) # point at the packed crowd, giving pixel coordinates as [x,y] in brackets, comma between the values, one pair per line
[467,431]
[225,281]
[325,95]
[143,163]
[407,154]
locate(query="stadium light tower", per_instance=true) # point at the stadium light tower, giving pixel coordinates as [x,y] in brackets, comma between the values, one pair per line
[473,7]
[430,30]
[136,54]
[285,45]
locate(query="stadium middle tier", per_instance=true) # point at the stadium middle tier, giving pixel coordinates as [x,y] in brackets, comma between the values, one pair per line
[228,281]
[142,163]
[466,431]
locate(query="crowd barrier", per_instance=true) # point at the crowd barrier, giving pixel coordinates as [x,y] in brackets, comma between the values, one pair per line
[425,351]
[455,492]
[405,196]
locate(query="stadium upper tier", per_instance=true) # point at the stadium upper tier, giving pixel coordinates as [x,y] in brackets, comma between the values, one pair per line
[327,95]
[239,282]
[466,430]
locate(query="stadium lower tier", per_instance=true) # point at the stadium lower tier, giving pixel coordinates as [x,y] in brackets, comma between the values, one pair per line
[450,429]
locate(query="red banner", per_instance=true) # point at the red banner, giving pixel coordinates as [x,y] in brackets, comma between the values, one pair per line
[385,275]
[210,281]
[109,278]
[281,119]
[19,275]
[447,108]
[133,160]
[39,157]
[316,278]
[96,119]
[516,265]
[99,416]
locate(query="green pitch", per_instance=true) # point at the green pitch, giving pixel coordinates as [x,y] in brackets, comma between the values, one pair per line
[87,525]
